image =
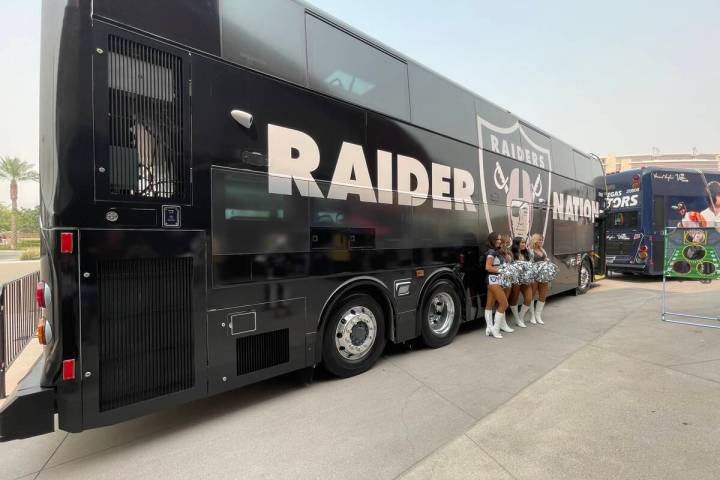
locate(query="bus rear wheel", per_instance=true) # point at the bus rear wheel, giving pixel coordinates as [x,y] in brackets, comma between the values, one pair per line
[440,315]
[354,336]
[584,278]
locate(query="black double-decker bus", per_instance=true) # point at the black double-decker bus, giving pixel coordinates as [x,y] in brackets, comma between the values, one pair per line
[232,190]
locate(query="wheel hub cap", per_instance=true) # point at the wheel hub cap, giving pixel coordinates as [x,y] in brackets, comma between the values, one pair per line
[441,313]
[584,277]
[355,333]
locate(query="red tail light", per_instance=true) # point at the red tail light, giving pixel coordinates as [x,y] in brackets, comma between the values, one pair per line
[643,248]
[66,242]
[68,369]
[42,294]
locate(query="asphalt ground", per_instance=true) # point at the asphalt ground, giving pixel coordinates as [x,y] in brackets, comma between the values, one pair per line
[604,390]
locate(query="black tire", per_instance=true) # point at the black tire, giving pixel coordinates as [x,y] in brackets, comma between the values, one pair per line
[584,282]
[359,309]
[442,331]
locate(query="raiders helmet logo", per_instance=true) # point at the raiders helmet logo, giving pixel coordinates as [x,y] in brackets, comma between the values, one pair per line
[517,177]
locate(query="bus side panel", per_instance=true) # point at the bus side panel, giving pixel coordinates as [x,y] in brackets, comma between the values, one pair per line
[143,317]
[561,238]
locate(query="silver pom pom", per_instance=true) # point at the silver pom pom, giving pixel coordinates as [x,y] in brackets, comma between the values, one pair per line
[545,272]
[509,274]
[527,272]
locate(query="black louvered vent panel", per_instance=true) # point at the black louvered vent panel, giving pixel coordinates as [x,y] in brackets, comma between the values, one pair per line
[146,335]
[620,247]
[147,157]
[262,351]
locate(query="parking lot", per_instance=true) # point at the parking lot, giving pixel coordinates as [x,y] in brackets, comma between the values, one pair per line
[603,390]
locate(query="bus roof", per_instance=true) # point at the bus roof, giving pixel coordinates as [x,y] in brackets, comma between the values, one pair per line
[647,170]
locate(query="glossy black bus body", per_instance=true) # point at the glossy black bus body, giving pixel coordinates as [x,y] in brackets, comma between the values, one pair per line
[642,202]
[190,274]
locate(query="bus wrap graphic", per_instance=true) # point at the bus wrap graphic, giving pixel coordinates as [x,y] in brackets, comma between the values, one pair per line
[692,253]
[519,186]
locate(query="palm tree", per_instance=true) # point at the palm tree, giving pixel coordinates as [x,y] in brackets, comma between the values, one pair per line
[15,170]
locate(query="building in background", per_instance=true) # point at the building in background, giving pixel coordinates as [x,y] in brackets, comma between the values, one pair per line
[620,163]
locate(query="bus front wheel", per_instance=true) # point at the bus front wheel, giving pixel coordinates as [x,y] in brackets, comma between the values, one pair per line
[354,336]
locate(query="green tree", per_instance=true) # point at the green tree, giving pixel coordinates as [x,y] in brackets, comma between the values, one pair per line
[27,220]
[16,170]
[5,215]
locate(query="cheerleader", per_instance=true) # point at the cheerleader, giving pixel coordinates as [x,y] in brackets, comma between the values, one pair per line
[495,292]
[506,251]
[520,253]
[540,289]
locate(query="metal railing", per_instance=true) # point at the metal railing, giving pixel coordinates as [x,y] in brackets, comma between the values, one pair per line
[18,319]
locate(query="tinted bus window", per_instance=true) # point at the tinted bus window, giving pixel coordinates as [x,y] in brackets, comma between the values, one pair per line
[562,162]
[352,224]
[563,237]
[261,36]
[441,106]
[341,65]
[248,219]
[625,219]
[587,170]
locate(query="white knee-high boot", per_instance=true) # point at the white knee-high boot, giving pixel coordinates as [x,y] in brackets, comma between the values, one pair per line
[521,319]
[532,313]
[488,322]
[503,325]
[499,320]
[538,312]
[491,328]
[514,310]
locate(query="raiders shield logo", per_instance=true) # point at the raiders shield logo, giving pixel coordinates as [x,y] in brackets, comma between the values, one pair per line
[515,173]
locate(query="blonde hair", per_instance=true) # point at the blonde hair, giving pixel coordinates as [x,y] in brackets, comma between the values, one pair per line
[534,239]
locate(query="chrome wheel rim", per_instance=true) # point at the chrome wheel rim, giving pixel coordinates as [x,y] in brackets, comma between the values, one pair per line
[584,277]
[441,314]
[355,333]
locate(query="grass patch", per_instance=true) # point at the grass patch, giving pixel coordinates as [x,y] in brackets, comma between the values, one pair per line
[23,244]
[32,253]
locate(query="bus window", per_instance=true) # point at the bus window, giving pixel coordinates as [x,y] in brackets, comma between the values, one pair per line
[346,67]
[441,106]
[249,27]
[625,220]
[247,219]
[358,224]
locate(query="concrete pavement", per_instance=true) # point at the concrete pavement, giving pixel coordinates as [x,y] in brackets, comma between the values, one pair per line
[640,400]
[603,390]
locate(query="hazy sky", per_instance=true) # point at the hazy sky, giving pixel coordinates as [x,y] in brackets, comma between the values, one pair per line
[607,77]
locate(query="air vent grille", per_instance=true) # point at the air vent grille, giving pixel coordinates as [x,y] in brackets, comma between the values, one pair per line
[262,351]
[146,335]
[147,157]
